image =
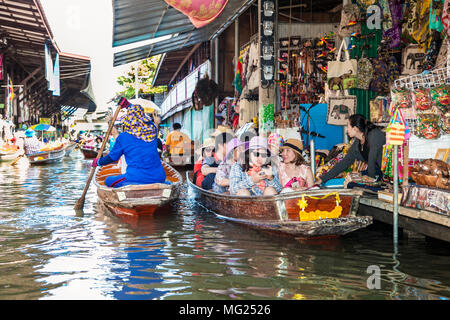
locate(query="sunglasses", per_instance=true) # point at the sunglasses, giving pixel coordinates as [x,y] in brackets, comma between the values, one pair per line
[209,149]
[260,154]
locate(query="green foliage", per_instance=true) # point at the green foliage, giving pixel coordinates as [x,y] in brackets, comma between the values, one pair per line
[146,73]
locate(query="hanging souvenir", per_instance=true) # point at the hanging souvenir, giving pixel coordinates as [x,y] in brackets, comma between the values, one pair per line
[428,126]
[380,80]
[340,108]
[446,17]
[413,57]
[392,33]
[365,72]
[395,131]
[436,15]
[417,17]
[401,98]
[421,99]
[350,16]
[342,74]
[441,97]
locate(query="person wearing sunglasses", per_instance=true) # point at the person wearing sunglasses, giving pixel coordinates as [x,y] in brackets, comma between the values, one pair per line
[252,175]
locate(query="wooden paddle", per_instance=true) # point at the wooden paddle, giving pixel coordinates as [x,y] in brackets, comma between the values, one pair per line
[17,159]
[122,103]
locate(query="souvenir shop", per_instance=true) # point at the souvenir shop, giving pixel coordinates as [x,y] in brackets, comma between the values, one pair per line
[395,71]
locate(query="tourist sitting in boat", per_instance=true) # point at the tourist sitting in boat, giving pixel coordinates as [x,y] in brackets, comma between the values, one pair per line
[98,143]
[367,147]
[252,175]
[137,143]
[275,142]
[293,172]
[31,144]
[211,162]
[198,176]
[221,181]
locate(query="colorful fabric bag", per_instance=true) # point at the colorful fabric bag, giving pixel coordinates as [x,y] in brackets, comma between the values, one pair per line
[350,16]
[342,74]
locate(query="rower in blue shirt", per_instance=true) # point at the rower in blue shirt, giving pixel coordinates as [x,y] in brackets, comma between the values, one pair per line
[138,143]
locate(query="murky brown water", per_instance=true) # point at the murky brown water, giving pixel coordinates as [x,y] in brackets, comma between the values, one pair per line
[48,252]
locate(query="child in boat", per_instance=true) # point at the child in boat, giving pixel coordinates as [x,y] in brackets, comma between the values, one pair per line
[293,172]
[252,175]
[138,144]
[212,161]
[206,151]
[222,182]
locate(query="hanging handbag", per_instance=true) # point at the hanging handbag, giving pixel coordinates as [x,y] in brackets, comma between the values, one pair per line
[365,73]
[340,108]
[395,131]
[350,16]
[342,74]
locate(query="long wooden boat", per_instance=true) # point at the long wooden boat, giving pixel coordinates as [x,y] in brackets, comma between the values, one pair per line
[294,214]
[89,153]
[143,199]
[44,157]
[9,155]
[68,148]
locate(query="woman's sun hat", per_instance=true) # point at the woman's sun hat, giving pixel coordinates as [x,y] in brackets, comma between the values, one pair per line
[293,144]
[209,142]
[233,144]
[29,133]
[258,143]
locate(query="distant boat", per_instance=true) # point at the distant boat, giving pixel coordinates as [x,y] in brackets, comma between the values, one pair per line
[69,147]
[49,156]
[89,153]
[281,213]
[139,199]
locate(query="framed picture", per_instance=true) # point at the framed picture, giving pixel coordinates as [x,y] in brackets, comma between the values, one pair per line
[340,109]
[443,154]
[412,60]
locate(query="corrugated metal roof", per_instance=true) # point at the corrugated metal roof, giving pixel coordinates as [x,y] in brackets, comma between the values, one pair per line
[143,20]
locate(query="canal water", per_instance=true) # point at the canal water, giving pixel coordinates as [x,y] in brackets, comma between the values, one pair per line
[49,251]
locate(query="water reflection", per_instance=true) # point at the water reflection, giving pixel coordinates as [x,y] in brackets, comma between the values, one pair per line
[48,251]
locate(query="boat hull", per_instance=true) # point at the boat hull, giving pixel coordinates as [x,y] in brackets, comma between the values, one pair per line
[281,213]
[4,157]
[89,153]
[69,148]
[46,157]
[137,200]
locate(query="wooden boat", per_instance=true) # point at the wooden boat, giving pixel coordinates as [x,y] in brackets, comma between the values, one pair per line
[89,153]
[143,199]
[180,163]
[283,213]
[9,154]
[69,147]
[44,157]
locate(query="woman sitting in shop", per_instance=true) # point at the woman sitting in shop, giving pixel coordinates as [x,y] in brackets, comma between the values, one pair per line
[252,175]
[367,147]
[293,172]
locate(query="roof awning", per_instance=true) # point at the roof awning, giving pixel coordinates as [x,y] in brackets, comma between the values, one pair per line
[139,20]
[27,30]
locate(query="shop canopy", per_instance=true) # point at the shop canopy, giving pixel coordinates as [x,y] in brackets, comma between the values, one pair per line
[140,20]
[24,26]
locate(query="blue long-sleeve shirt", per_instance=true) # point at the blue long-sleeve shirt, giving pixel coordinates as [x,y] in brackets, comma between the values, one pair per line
[143,162]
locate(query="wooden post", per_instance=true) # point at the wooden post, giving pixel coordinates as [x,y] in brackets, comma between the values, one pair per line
[405,164]
[265,95]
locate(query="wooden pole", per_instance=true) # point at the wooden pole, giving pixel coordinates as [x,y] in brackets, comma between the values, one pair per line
[80,203]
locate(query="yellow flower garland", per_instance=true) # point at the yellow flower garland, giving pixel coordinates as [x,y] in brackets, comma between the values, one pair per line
[319,214]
